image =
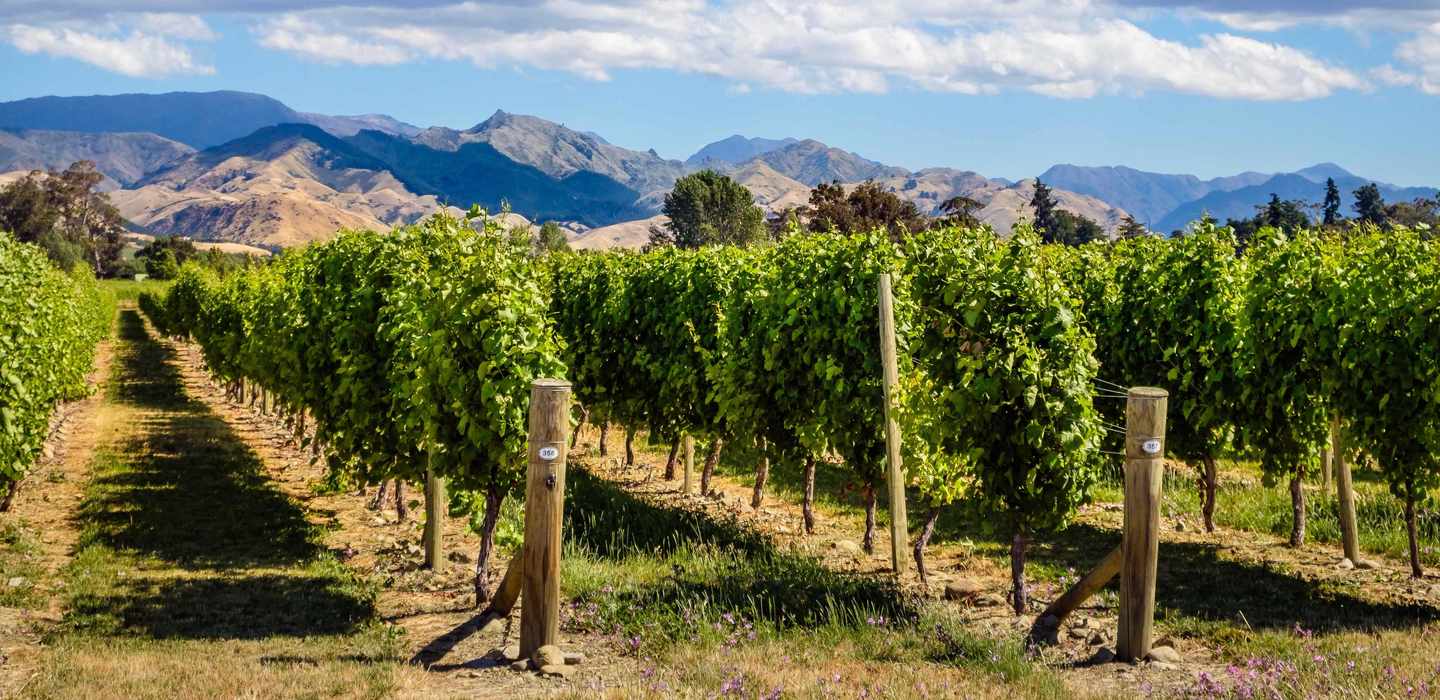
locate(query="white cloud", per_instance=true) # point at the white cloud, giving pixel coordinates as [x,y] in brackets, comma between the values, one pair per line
[1423,54]
[175,25]
[1080,49]
[290,33]
[135,54]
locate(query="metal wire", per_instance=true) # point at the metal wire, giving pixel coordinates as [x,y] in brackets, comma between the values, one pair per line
[1112,385]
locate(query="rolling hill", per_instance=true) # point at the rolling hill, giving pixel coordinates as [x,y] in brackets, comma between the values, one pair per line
[124,158]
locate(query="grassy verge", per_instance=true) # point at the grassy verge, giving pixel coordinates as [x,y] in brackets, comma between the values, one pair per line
[193,576]
[713,608]
[20,570]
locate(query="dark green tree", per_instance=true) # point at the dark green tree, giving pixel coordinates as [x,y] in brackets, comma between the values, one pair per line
[1074,229]
[1130,228]
[550,239]
[865,208]
[1369,205]
[1043,202]
[1331,207]
[1287,215]
[960,211]
[707,208]
[62,213]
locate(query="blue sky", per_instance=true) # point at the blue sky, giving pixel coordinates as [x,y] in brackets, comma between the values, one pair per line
[1002,87]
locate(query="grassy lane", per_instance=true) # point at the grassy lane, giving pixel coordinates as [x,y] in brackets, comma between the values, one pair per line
[194,577]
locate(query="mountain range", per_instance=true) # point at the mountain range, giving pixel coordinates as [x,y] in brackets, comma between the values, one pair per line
[233,166]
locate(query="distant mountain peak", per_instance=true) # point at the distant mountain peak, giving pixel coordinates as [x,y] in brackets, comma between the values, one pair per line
[736,149]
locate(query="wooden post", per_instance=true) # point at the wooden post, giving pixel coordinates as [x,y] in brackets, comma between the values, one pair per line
[1087,586]
[1346,491]
[435,507]
[689,463]
[895,475]
[1140,548]
[544,507]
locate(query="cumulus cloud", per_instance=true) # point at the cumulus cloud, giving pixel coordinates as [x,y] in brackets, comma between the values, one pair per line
[1082,48]
[1422,53]
[136,54]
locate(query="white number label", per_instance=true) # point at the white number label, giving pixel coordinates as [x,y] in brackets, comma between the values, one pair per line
[549,453]
[1151,447]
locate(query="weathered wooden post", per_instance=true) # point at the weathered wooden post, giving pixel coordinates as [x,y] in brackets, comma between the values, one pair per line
[1346,491]
[544,507]
[1140,548]
[435,507]
[895,475]
[689,463]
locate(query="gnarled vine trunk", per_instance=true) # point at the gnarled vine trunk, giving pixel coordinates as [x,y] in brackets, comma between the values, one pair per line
[807,506]
[711,459]
[11,488]
[575,436]
[1297,509]
[494,496]
[629,446]
[401,512]
[1209,483]
[379,499]
[1017,572]
[670,461]
[868,491]
[762,474]
[1410,529]
[923,540]
[604,431]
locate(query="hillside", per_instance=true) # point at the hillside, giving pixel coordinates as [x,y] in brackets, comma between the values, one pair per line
[281,186]
[124,158]
[477,173]
[812,163]
[734,150]
[560,152]
[1241,203]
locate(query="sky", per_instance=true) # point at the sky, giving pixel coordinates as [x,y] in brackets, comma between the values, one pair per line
[1002,87]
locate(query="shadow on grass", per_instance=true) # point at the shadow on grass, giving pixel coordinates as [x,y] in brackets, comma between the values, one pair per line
[717,568]
[1194,581]
[243,607]
[185,488]
[187,491]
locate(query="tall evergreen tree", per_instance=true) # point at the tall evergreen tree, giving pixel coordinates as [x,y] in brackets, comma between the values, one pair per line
[1130,228]
[1043,202]
[1331,207]
[1369,205]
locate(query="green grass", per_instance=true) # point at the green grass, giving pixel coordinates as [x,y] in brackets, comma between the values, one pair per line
[194,576]
[671,582]
[128,290]
[19,551]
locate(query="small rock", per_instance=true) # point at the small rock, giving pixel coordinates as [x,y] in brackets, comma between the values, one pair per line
[1103,655]
[1364,564]
[1164,655]
[990,600]
[962,589]
[549,655]
[520,665]
[574,659]
[1346,565]
[1161,665]
[511,653]
[16,582]
[847,547]
[1077,633]
[494,625]
[557,670]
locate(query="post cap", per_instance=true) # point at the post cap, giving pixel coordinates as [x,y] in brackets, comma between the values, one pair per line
[1147,392]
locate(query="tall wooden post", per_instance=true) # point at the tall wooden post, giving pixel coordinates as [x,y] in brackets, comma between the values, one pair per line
[689,463]
[895,475]
[544,507]
[1346,491]
[435,507]
[1140,548]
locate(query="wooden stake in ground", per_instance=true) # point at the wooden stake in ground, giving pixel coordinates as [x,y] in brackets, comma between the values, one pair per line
[689,463]
[544,508]
[1346,493]
[1140,548]
[895,474]
[435,507]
